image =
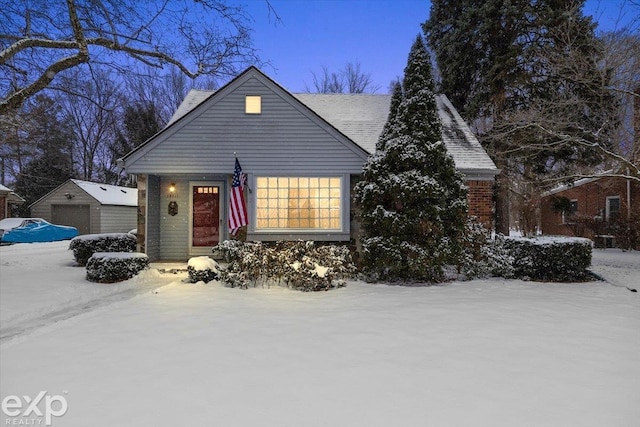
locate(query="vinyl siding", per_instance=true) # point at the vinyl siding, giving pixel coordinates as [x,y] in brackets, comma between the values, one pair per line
[285,138]
[174,230]
[153,218]
[171,233]
[117,219]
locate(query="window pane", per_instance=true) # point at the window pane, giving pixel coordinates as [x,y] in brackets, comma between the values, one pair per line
[253,104]
[299,203]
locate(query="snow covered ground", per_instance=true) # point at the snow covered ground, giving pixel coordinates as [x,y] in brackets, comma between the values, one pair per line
[479,353]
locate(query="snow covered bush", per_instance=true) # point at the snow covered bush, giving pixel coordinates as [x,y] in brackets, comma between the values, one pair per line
[86,245]
[482,255]
[298,265]
[202,269]
[110,267]
[550,258]
[412,200]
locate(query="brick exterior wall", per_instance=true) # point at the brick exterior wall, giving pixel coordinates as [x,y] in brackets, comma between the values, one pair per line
[3,205]
[592,202]
[480,199]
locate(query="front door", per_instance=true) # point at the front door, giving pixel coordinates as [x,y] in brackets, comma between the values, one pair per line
[206,219]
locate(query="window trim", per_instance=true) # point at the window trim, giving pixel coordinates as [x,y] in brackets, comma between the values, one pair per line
[344,208]
[568,215]
[608,206]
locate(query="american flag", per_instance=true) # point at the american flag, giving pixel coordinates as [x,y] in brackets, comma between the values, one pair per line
[237,205]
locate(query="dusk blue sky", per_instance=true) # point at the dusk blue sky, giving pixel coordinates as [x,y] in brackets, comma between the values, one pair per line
[377,33]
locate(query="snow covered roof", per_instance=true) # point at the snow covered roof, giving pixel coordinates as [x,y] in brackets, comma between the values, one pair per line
[11,196]
[577,183]
[194,98]
[361,118]
[109,194]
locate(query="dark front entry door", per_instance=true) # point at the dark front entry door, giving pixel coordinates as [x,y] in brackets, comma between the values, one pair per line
[206,216]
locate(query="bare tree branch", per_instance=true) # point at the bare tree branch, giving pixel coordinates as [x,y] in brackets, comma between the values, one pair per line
[350,79]
[39,40]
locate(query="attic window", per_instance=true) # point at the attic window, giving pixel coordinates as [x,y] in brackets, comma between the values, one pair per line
[253,104]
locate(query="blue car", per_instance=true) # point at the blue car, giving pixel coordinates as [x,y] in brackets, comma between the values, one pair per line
[31,230]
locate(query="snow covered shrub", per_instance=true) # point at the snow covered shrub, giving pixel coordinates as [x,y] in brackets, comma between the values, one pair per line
[298,265]
[550,258]
[110,267]
[229,249]
[86,245]
[202,269]
[412,200]
[483,256]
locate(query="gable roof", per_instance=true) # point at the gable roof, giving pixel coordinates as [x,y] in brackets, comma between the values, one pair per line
[107,194]
[360,119]
[200,103]
[104,194]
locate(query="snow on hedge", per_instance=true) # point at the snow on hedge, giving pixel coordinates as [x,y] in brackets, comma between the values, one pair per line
[110,267]
[550,258]
[202,269]
[85,246]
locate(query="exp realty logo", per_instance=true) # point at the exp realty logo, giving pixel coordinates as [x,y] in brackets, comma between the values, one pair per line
[33,411]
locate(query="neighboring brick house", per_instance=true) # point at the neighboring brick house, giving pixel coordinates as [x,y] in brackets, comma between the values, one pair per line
[302,154]
[590,207]
[7,199]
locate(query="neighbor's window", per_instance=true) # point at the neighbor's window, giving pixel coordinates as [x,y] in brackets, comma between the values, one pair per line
[613,208]
[573,210]
[299,203]
[253,104]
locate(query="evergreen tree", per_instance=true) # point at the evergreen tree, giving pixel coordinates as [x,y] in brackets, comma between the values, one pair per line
[531,72]
[396,99]
[140,123]
[413,201]
[50,161]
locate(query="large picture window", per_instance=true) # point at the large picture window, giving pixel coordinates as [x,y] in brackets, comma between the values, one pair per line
[299,203]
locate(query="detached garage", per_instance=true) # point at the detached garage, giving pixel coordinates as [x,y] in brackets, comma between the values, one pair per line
[90,207]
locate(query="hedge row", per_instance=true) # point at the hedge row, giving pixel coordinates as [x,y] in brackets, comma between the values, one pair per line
[86,245]
[109,267]
[550,258]
[298,265]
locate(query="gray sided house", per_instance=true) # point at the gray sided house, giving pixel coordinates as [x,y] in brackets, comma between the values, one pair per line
[90,207]
[302,154]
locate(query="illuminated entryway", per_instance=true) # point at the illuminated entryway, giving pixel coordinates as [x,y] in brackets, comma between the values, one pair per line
[206,219]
